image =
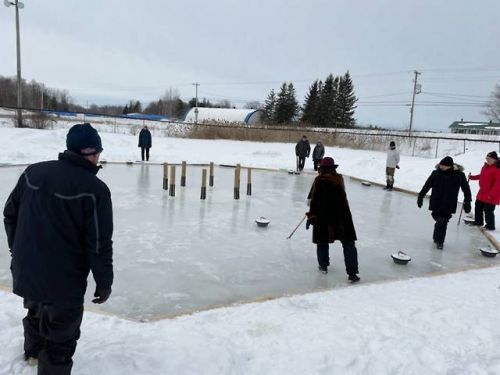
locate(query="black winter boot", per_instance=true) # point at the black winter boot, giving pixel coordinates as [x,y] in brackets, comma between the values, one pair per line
[354,278]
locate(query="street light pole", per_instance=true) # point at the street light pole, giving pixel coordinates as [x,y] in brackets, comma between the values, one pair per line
[196,104]
[18,6]
[413,100]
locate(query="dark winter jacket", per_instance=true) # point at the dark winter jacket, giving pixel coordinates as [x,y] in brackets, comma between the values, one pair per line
[489,184]
[145,138]
[329,211]
[445,186]
[59,225]
[302,149]
[318,152]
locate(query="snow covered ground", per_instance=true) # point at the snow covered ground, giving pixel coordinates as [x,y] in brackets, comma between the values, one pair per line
[438,325]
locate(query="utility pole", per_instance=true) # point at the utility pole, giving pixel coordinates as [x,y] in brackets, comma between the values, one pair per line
[413,99]
[18,5]
[196,84]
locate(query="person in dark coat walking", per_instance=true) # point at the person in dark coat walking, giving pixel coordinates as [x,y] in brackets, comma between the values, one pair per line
[145,142]
[488,195]
[59,225]
[445,181]
[318,153]
[331,218]
[302,151]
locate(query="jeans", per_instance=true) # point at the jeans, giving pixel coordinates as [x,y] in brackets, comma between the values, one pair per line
[50,334]
[302,161]
[350,256]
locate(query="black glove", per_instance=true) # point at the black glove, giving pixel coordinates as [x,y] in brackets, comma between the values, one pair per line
[102,295]
[467,207]
[397,166]
[420,201]
[308,224]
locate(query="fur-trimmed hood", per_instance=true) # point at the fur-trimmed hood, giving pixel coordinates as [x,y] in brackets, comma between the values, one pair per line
[456,167]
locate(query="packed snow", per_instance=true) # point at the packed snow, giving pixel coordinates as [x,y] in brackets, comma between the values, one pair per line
[435,325]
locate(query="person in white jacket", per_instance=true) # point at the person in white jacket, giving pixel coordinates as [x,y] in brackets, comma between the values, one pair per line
[391,165]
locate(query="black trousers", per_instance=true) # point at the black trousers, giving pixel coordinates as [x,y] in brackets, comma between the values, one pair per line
[316,163]
[350,256]
[302,162]
[50,334]
[489,215]
[440,227]
[147,153]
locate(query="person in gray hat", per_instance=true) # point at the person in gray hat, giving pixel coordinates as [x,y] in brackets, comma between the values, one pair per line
[59,225]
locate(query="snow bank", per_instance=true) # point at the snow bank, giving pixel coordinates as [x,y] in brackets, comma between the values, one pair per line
[438,325]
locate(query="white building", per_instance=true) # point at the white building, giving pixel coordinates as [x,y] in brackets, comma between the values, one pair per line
[225,115]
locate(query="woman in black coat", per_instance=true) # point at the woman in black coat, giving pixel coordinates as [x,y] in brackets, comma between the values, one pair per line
[145,142]
[331,218]
[445,181]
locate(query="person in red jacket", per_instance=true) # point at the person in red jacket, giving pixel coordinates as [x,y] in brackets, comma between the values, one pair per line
[489,191]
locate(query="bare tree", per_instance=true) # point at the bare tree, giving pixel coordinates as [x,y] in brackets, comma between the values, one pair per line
[253,105]
[223,104]
[493,106]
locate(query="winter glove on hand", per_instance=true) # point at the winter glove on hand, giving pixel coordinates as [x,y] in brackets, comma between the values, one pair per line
[102,295]
[420,201]
[467,207]
[308,224]
[397,166]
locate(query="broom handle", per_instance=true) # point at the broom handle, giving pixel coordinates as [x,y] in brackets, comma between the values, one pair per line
[462,210]
[297,227]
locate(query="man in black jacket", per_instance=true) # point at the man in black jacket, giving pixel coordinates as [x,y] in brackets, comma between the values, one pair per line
[445,181]
[145,142]
[302,151]
[59,225]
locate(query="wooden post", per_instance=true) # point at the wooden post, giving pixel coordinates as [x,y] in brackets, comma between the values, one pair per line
[211,178]
[237,181]
[249,181]
[464,146]
[414,144]
[437,145]
[172,181]
[203,184]
[165,176]
[183,174]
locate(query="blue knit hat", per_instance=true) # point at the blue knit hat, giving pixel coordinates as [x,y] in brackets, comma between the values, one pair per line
[84,140]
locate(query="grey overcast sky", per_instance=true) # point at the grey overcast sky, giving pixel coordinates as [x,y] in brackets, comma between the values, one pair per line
[115,50]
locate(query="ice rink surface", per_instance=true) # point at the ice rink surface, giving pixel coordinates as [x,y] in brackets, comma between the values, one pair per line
[180,254]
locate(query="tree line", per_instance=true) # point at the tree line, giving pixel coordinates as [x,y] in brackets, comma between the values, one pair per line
[37,95]
[331,103]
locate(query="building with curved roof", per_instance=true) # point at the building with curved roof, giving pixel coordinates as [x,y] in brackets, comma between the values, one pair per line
[225,115]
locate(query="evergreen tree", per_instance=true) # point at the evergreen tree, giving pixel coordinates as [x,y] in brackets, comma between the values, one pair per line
[311,104]
[125,109]
[346,102]
[281,112]
[293,107]
[327,109]
[287,106]
[137,107]
[270,106]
